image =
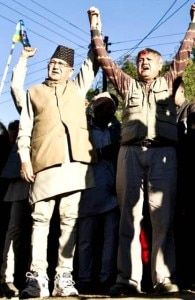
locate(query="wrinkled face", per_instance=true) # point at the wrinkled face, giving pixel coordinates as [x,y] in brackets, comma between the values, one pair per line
[59,70]
[148,66]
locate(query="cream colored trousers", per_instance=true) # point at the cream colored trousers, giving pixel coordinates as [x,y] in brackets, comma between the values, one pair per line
[42,213]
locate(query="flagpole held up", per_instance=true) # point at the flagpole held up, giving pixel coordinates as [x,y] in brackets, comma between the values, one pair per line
[19,36]
[7,67]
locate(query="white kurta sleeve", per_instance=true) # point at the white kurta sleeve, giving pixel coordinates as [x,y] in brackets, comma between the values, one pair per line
[17,83]
[25,130]
[87,73]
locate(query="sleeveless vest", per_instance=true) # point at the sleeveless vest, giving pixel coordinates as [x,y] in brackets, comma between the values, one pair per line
[149,116]
[58,111]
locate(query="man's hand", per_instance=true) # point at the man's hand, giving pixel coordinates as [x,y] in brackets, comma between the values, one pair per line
[192,12]
[94,18]
[28,52]
[26,172]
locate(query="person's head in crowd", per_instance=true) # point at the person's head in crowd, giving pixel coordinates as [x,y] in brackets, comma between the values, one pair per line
[61,64]
[179,91]
[13,128]
[103,108]
[149,64]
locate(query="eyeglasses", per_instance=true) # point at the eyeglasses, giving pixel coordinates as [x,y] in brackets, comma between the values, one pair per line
[60,64]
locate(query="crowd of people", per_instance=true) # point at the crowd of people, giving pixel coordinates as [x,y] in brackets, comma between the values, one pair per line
[83,195]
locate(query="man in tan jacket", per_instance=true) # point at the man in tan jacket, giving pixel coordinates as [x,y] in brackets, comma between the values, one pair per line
[55,152]
[147,159]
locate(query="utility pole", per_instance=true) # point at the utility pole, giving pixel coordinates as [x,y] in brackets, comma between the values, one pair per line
[104,83]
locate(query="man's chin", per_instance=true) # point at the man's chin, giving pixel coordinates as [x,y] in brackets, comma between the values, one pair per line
[144,76]
[55,77]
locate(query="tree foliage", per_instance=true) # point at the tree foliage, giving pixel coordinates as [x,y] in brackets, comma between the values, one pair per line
[189,80]
[188,77]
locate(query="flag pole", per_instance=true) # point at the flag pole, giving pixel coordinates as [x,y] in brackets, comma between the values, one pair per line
[7,67]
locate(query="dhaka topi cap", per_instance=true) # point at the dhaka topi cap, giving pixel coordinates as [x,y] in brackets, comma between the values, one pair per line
[64,53]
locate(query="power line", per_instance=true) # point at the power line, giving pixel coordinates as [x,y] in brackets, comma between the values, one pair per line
[49,20]
[148,38]
[148,46]
[60,17]
[50,29]
[29,29]
[158,24]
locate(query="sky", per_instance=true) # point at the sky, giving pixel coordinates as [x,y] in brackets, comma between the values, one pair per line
[128,25]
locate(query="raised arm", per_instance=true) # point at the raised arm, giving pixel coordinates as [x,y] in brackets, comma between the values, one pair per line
[182,56]
[87,73]
[94,19]
[116,76]
[18,76]
[89,68]
[21,99]
[192,13]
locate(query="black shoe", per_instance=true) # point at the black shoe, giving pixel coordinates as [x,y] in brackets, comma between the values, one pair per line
[166,289]
[121,289]
[85,287]
[9,290]
[104,288]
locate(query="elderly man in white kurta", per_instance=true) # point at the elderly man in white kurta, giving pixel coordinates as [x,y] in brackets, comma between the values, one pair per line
[56,151]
